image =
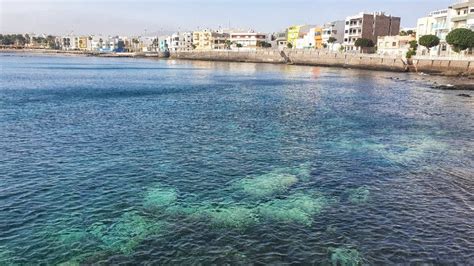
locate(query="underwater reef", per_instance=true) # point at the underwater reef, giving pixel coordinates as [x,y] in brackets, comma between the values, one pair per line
[342,256]
[359,195]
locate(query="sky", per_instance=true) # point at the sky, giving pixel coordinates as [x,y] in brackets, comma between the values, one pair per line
[147,17]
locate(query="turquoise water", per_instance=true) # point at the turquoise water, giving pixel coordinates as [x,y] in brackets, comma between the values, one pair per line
[175,162]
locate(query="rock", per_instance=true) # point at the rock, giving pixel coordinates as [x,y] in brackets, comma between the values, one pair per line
[464,95]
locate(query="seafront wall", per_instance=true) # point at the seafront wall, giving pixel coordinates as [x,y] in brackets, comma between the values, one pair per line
[263,56]
[298,57]
[442,66]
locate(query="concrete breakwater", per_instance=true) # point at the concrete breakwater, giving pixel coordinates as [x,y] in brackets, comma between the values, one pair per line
[447,66]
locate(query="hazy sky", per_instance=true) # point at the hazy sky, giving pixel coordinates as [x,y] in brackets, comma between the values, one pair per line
[135,16]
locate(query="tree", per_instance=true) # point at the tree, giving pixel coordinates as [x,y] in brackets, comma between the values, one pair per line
[364,43]
[239,45]
[413,45]
[460,39]
[410,32]
[264,44]
[331,40]
[289,45]
[429,41]
[228,43]
[403,33]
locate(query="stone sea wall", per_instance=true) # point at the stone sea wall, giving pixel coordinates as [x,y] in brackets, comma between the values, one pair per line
[443,66]
[298,57]
[263,56]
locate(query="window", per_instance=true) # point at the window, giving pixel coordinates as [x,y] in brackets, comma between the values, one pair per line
[394,44]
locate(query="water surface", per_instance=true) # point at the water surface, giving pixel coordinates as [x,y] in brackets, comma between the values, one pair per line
[180,162]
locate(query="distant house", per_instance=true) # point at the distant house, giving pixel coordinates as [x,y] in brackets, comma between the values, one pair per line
[394,45]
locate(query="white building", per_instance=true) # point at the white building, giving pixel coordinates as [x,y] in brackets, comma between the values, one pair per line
[308,41]
[462,15]
[247,40]
[436,23]
[441,22]
[335,30]
[180,42]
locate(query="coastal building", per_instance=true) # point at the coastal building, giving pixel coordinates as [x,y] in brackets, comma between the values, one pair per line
[68,43]
[436,23]
[180,42]
[210,40]
[82,43]
[163,43]
[296,32]
[312,39]
[394,45]
[462,15]
[247,40]
[369,26]
[280,39]
[335,30]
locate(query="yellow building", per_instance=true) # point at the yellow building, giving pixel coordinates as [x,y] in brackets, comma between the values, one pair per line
[293,34]
[82,43]
[318,38]
[209,40]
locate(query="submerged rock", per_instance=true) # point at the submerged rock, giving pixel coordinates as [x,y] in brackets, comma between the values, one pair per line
[159,198]
[302,171]
[345,257]
[124,234]
[297,208]
[359,195]
[464,95]
[266,185]
[466,86]
[6,256]
[236,217]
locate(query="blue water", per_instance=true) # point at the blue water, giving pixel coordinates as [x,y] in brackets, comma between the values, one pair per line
[178,162]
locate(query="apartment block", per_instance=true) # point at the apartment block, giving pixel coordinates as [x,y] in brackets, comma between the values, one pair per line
[210,40]
[180,42]
[369,26]
[335,30]
[437,23]
[463,14]
[247,40]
